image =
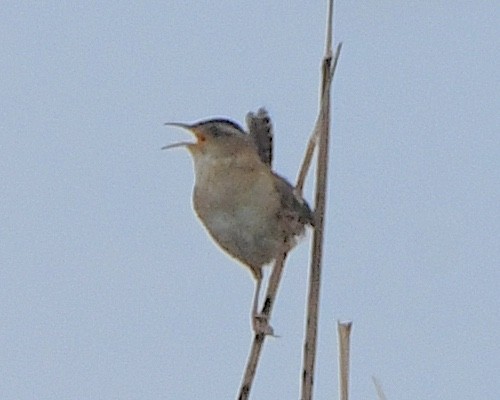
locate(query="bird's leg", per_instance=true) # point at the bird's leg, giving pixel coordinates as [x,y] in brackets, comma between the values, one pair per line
[256,295]
[260,321]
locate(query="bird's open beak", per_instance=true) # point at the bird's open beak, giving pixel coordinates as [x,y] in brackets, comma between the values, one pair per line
[179,144]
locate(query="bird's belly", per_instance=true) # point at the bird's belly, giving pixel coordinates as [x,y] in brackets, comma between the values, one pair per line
[244,239]
[243,221]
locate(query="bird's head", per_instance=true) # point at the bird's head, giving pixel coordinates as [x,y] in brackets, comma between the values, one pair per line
[213,136]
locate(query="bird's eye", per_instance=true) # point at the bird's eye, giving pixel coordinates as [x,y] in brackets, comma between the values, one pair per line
[215,131]
[202,138]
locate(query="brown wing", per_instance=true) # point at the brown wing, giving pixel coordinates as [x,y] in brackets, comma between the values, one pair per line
[294,210]
[260,129]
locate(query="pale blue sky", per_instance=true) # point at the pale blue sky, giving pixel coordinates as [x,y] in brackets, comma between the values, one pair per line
[109,286]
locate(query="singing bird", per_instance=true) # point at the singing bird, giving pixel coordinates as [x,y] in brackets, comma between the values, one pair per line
[250,211]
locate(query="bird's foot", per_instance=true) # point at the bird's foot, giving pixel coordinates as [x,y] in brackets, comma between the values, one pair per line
[260,325]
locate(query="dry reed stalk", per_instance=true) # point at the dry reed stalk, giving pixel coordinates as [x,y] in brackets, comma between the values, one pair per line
[322,131]
[344,335]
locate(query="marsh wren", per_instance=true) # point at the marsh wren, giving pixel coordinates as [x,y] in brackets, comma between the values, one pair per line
[249,210]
